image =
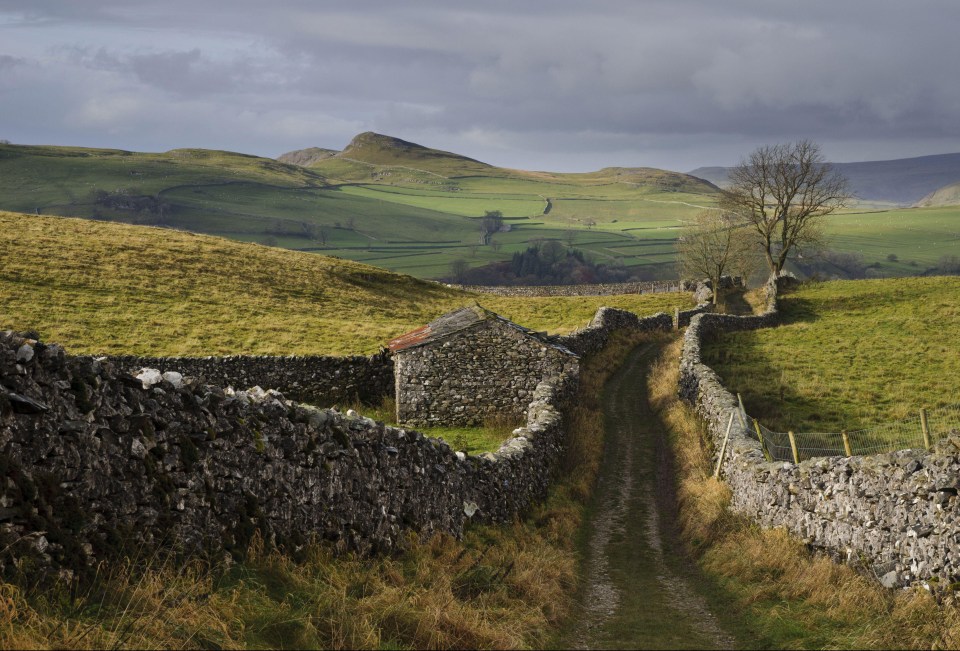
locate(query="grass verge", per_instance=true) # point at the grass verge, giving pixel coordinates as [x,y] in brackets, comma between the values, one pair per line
[787,597]
[498,587]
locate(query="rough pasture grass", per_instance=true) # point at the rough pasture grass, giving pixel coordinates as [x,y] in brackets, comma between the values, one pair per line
[112,288]
[849,355]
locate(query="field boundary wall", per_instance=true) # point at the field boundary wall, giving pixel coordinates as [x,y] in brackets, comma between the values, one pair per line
[315,379]
[607,289]
[896,513]
[101,464]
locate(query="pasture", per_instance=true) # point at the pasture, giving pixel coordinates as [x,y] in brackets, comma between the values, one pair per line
[419,220]
[849,355]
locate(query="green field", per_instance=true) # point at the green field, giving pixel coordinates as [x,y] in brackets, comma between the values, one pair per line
[417,210]
[113,288]
[849,355]
[392,215]
[918,237]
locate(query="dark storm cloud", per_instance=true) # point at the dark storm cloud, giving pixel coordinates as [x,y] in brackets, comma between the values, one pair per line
[539,84]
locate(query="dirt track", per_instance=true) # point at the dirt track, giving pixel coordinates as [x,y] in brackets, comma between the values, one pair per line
[640,591]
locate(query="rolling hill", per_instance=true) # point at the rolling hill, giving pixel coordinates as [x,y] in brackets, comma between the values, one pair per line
[381,200]
[903,181]
[416,210]
[948,195]
[100,287]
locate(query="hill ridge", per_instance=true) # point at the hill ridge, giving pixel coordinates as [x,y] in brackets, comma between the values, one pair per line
[903,181]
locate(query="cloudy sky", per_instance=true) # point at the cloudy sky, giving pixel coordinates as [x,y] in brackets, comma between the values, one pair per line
[552,84]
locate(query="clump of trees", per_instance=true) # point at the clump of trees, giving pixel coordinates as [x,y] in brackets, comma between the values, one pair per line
[714,245]
[949,265]
[544,262]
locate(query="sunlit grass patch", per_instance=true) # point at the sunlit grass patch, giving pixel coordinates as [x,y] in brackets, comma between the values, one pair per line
[850,354]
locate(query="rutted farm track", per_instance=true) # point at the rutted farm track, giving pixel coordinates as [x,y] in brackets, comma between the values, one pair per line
[640,590]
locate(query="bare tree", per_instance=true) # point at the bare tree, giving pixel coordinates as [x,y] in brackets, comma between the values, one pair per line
[714,245]
[782,191]
[458,270]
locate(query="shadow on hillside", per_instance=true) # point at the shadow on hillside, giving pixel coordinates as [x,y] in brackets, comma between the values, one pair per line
[745,368]
[797,310]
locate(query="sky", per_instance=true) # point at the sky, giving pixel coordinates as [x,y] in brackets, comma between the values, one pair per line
[534,84]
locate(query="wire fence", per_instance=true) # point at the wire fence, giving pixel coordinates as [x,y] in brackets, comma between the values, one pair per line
[919,431]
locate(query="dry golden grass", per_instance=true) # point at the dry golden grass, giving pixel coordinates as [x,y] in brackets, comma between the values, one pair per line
[789,597]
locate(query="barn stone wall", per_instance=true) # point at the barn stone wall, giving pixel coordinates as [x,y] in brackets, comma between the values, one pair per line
[489,369]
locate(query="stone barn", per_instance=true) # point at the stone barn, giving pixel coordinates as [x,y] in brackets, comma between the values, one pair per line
[470,364]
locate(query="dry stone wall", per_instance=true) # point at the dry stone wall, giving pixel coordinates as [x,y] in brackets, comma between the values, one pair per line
[316,379]
[897,513]
[96,464]
[606,321]
[608,289]
[490,369]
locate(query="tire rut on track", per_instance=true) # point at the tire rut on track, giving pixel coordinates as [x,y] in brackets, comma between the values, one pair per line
[640,591]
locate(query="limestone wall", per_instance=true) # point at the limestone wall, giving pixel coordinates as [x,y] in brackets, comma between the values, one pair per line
[98,465]
[606,321]
[608,289]
[490,369]
[898,513]
[316,379]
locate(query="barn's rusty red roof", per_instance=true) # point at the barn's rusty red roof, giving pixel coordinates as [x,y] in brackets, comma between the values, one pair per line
[454,322]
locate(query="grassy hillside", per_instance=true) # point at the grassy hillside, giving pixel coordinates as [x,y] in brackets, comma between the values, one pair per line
[948,195]
[382,200]
[899,242]
[849,355]
[110,288]
[415,210]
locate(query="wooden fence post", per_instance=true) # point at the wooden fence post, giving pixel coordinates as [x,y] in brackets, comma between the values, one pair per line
[793,446]
[676,318]
[846,443]
[723,448]
[926,430]
[763,446]
[743,411]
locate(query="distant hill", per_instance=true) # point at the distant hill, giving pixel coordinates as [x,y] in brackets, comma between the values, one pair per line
[306,157]
[382,200]
[903,181]
[374,157]
[948,195]
[716,175]
[378,149]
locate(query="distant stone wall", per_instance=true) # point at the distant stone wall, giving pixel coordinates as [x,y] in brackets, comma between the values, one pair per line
[96,466]
[490,369]
[316,379]
[897,512]
[608,289]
